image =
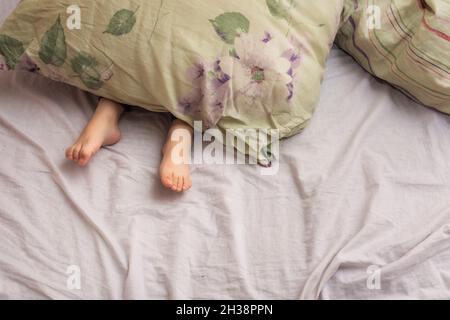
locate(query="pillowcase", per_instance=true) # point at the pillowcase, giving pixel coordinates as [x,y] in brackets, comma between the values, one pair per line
[232,64]
[404,42]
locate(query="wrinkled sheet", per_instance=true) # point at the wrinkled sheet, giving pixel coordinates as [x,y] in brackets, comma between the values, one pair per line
[367,184]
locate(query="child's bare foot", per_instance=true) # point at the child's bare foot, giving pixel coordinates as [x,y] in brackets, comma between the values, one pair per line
[174,169]
[102,130]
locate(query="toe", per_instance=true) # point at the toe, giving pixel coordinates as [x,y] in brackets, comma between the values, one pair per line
[166,178]
[175,184]
[69,153]
[76,152]
[84,156]
[167,182]
[180,184]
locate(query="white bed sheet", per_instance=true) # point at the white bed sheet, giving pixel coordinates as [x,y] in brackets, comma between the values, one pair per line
[367,184]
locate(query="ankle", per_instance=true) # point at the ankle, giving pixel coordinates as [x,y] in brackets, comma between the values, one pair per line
[110,107]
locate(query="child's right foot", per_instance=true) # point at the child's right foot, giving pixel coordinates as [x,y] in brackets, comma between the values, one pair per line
[174,169]
[102,130]
[175,176]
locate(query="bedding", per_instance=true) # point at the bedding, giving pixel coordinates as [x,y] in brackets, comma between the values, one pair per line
[404,42]
[353,194]
[235,64]
[365,186]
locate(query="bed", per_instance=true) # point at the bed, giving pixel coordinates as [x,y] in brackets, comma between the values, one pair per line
[359,209]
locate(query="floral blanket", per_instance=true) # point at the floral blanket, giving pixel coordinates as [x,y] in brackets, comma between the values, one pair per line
[233,65]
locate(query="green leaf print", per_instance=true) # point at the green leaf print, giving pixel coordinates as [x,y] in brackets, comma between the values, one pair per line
[53,46]
[122,22]
[233,53]
[267,152]
[280,8]
[229,25]
[86,67]
[266,156]
[12,49]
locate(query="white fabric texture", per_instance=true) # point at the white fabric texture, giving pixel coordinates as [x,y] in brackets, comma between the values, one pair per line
[366,184]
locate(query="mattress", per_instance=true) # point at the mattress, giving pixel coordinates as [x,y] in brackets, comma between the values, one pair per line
[359,207]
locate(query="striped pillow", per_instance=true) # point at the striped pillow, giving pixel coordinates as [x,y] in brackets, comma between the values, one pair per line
[404,42]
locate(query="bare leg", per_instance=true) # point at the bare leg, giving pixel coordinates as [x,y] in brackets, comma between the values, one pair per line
[174,170]
[102,130]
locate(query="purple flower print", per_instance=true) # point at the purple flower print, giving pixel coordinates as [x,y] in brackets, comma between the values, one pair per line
[196,73]
[294,56]
[211,86]
[267,37]
[258,68]
[190,103]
